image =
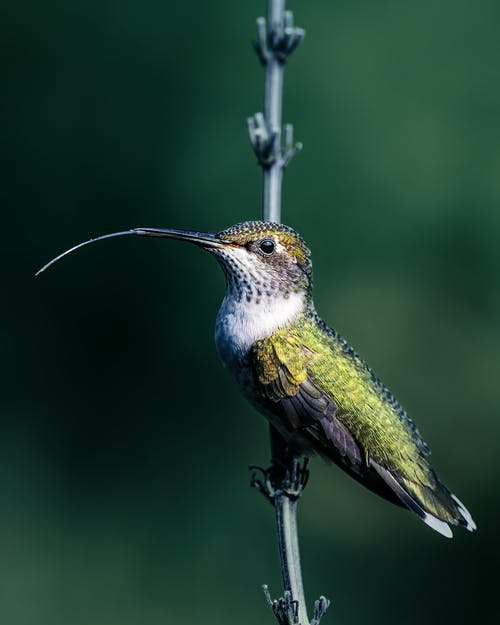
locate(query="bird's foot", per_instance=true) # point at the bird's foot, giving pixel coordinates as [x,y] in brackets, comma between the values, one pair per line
[288,476]
[261,480]
[296,477]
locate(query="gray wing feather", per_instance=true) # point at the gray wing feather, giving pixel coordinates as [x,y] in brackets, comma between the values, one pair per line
[310,414]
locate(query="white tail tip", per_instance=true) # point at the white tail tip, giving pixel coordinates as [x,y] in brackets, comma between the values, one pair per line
[471,526]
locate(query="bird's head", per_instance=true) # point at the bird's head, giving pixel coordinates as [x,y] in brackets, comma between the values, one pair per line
[265,258]
[259,258]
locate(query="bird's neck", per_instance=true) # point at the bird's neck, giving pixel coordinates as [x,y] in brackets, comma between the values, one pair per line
[244,320]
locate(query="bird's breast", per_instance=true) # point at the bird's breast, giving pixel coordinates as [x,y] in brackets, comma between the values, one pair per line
[240,323]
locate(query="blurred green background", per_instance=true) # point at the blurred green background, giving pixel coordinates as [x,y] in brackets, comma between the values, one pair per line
[123,444]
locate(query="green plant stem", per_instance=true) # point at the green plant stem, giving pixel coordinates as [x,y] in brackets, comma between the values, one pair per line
[285,506]
[273,174]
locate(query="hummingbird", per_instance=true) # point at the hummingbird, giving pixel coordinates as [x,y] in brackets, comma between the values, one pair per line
[304,377]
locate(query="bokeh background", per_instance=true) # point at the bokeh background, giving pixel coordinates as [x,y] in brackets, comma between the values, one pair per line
[123,445]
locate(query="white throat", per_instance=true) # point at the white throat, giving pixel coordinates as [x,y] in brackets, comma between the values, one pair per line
[240,323]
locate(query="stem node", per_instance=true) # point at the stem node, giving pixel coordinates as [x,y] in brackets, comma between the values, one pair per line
[277,37]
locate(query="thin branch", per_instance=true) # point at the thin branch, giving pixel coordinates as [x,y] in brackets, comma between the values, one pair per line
[283,482]
[277,38]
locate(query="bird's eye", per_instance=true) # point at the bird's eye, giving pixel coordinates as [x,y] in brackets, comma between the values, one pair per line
[267,247]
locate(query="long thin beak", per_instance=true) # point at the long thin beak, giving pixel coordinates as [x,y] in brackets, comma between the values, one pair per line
[203,239]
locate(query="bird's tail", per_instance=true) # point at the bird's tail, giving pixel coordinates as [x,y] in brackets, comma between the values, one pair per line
[436,505]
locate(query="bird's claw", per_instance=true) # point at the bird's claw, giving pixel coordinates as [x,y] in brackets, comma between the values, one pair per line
[296,477]
[287,477]
[264,483]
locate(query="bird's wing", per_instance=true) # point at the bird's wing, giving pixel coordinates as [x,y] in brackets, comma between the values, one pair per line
[351,371]
[327,400]
[304,410]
